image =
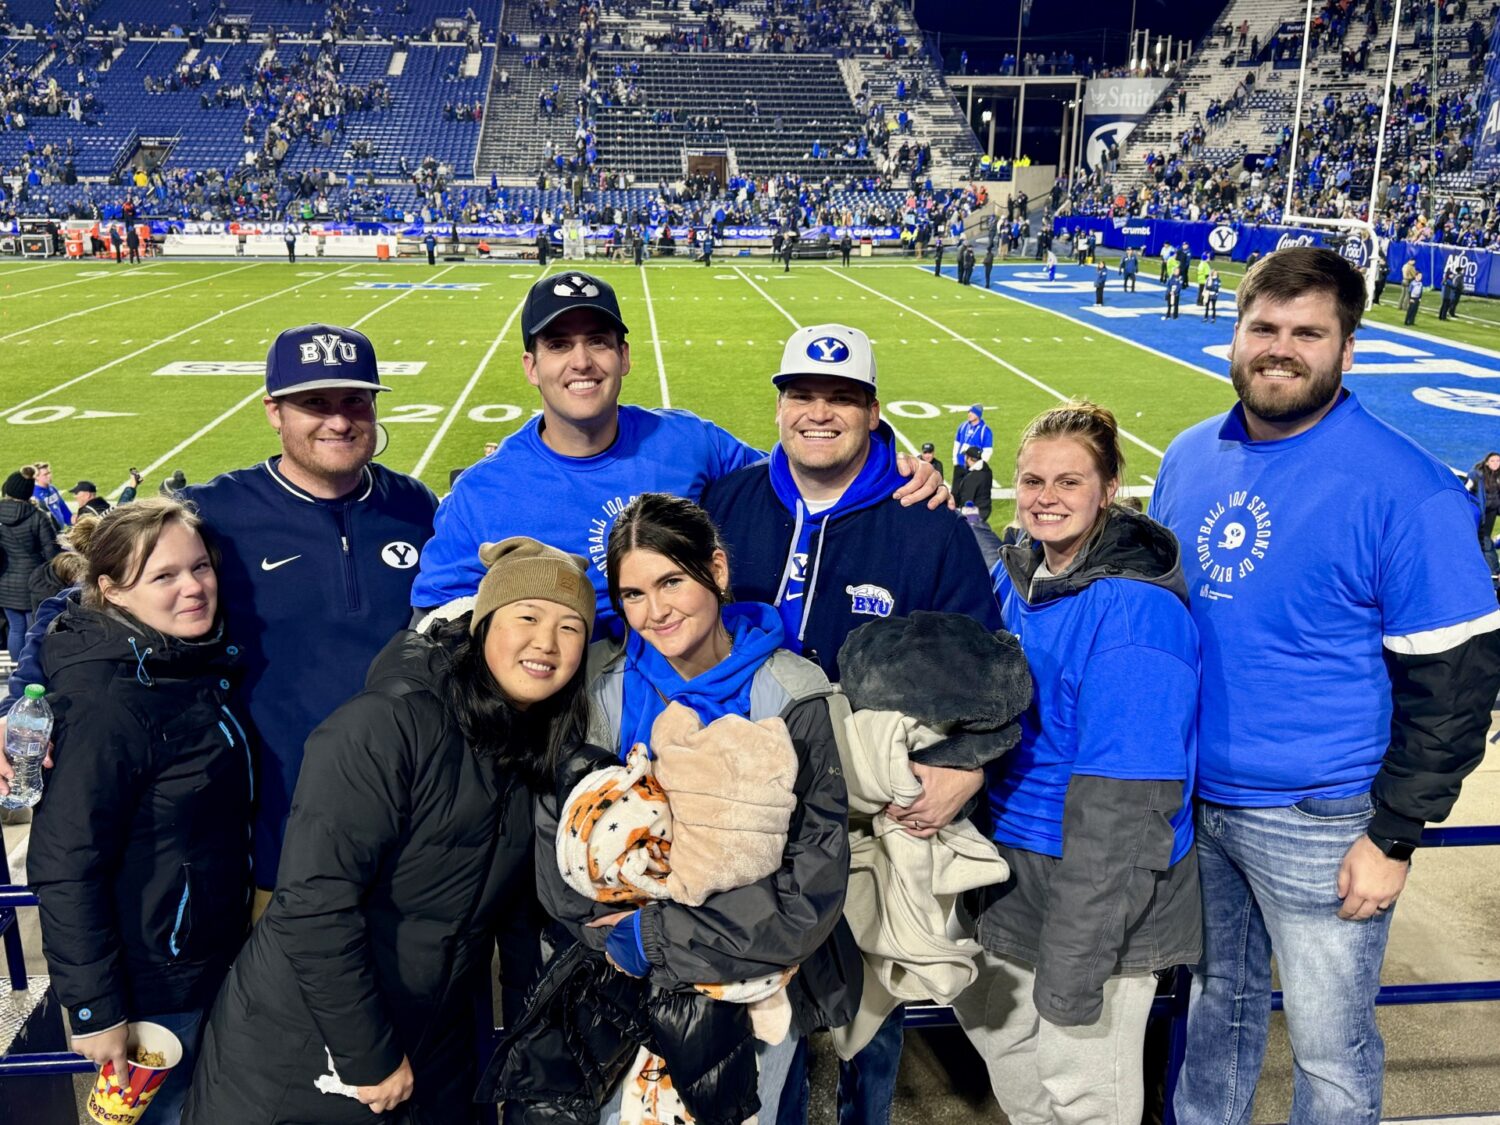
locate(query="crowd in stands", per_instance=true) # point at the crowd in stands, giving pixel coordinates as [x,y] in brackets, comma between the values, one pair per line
[1431,132]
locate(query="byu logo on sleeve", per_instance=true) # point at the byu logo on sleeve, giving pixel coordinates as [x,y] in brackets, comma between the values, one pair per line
[328,349]
[400,555]
[828,349]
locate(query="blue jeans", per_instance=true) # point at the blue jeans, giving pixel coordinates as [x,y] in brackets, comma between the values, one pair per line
[166,1107]
[1270,885]
[17,621]
[867,1082]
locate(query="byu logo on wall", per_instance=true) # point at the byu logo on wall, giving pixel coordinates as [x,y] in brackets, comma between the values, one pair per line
[329,349]
[828,349]
[1222,239]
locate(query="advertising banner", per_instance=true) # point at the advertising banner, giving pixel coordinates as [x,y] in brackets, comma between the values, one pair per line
[1112,108]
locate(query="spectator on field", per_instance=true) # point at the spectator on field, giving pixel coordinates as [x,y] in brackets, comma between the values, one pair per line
[86,494]
[929,454]
[142,912]
[48,498]
[28,538]
[1484,483]
[977,485]
[972,431]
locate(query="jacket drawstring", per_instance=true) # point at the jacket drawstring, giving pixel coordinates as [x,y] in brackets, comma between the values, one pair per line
[142,676]
[812,581]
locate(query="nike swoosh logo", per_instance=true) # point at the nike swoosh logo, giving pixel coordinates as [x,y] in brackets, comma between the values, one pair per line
[790,597]
[267,564]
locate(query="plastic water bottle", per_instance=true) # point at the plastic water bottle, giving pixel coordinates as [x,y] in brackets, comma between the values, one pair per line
[28,728]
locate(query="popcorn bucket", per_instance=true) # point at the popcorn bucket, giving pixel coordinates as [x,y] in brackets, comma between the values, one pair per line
[109,1101]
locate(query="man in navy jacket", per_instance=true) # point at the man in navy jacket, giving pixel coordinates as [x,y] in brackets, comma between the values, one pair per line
[318,551]
[814,530]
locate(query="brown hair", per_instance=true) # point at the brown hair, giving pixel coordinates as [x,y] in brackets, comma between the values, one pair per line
[1285,275]
[1089,424]
[671,526]
[117,544]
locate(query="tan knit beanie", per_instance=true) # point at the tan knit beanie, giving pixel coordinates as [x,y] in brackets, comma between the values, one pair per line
[519,568]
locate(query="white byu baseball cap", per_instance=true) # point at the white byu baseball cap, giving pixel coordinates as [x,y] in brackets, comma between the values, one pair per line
[828,349]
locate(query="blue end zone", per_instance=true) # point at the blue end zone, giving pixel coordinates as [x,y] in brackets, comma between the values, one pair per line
[1445,395]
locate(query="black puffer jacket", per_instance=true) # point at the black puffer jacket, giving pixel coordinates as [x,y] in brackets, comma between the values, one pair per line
[140,851]
[403,850]
[27,539]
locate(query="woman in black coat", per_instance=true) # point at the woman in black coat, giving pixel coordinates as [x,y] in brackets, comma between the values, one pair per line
[27,539]
[409,839]
[140,850]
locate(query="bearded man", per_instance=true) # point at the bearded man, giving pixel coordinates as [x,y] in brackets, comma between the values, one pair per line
[1351,651]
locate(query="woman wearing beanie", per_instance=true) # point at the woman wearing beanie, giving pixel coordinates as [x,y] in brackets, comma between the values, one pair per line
[410,836]
[27,539]
[1093,810]
[688,644]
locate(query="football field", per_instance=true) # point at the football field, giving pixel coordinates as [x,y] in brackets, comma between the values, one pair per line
[160,366]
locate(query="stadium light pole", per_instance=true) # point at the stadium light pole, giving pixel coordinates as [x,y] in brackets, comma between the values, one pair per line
[989,119]
[1130,54]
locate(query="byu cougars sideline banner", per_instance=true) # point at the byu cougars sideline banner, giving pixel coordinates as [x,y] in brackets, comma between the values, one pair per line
[1487,144]
[1112,108]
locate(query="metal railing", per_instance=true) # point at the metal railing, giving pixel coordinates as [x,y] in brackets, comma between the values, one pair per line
[1171,1006]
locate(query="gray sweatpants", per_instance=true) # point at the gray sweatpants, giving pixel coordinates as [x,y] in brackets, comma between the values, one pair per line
[1044,1074]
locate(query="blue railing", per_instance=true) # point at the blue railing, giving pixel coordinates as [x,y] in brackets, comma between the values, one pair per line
[1172,1006]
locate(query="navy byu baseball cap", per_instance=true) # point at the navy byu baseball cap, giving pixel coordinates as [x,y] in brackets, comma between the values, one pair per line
[562,293]
[318,357]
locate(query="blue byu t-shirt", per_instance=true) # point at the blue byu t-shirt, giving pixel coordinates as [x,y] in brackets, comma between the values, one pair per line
[1301,555]
[1115,668]
[524,488]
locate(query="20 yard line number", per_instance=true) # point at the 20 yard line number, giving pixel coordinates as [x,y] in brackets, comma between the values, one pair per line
[490,414]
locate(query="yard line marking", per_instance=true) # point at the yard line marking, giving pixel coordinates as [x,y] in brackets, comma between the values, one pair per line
[902,438]
[23,269]
[257,394]
[1012,368]
[167,339]
[661,368]
[463,397]
[1092,327]
[123,300]
[64,284]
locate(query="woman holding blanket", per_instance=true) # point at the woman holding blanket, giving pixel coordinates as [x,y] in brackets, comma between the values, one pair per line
[693,669]
[409,848]
[1092,811]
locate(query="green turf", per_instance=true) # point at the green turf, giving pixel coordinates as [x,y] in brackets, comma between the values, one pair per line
[90,337]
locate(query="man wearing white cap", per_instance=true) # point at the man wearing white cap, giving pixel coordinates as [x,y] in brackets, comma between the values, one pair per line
[814,530]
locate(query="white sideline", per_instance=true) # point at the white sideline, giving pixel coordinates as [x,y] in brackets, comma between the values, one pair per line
[65,284]
[1012,368]
[167,339]
[661,368]
[902,438]
[123,300]
[463,397]
[258,393]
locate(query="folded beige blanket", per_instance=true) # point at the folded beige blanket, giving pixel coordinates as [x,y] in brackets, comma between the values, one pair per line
[730,786]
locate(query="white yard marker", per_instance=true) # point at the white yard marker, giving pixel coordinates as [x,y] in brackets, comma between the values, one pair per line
[661,367]
[1012,368]
[164,340]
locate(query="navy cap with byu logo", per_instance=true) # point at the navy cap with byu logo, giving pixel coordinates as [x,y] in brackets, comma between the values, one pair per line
[563,292]
[828,349]
[319,357]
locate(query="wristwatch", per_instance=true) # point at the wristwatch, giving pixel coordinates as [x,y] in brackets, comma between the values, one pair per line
[1394,849]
